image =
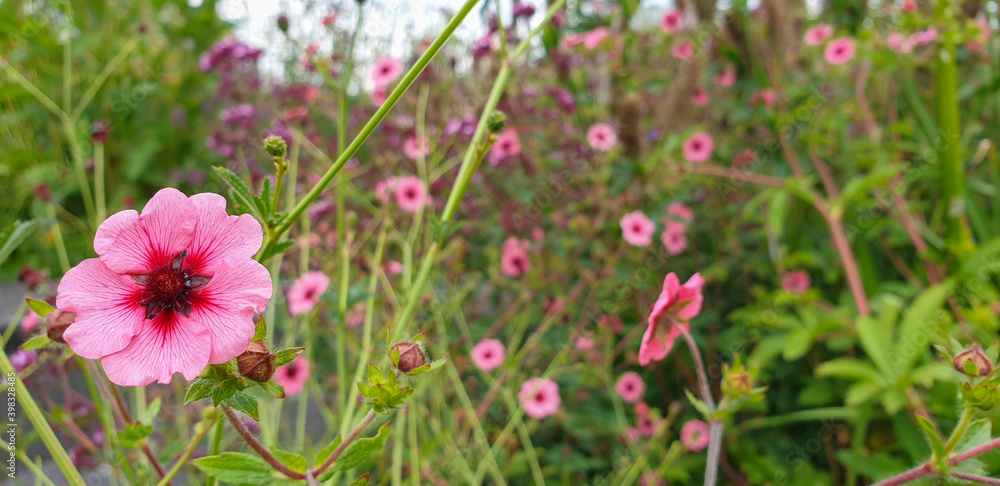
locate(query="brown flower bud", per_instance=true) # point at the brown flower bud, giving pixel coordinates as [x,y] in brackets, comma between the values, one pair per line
[257,362]
[411,356]
[59,321]
[975,354]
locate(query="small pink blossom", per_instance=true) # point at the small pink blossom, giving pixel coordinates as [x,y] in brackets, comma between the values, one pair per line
[699,97]
[293,376]
[694,435]
[329,20]
[924,37]
[683,50]
[676,305]
[797,281]
[571,40]
[839,51]
[411,193]
[488,354]
[594,38]
[612,322]
[765,97]
[899,44]
[818,34]
[645,421]
[538,234]
[602,137]
[909,6]
[680,211]
[379,95]
[984,35]
[637,229]
[384,189]
[355,315]
[415,149]
[674,237]
[508,144]
[305,293]
[630,387]
[393,268]
[725,77]
[698,148]
[385,70]
[583,343]
[514,260]
[672,22]
[30,321]
[539,397]
[174,289]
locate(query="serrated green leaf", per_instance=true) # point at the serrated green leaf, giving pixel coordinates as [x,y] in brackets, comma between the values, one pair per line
[40,307]
[294,461]
[286,356]
[323,454]
[931,434]
[134,434]
[37,342]
[244,403]
[225,389]
[362,450]
[978,433]
[260,331]
[276,249]
[201,388]
[241,193]
[433,365]
[237,468]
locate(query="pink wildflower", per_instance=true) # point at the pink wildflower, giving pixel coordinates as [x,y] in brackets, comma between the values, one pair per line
[386,70]
[514,260]
[674,237]
[583,343]
[676,305]
[699,97]
[839,51]
[411,193]
[305,293]
[698,148]
[644,420]
[539,397]
[694,435]
[672,22]
[379,95]
[637,229]
[818,34]
[726,77]
[681,212]
[488,354]
[683,50]
[594,38]
[174,289]
[797,281]
[416,150]
[899,44]
[385,188]
[393,268]
[508,144]
[293,376]
[924,37]
[630,387]
[30,321]
[602,137]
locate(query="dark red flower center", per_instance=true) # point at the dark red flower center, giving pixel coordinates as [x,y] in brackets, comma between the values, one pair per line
[539,397]
[487,355]
[168,287]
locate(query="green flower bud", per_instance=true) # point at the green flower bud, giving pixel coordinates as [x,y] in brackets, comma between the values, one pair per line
[496,122]
[275,146]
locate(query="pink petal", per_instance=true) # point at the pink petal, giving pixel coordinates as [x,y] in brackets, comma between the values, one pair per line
[168,344]
[107,309]
[163,230]
[220,235]
[109,230]
[226,306]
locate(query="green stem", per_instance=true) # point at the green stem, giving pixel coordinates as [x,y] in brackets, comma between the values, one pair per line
[960,429]
[41,425]
[102,77]
[99,194]
[57,236]
[216,447]
[200,431]
[35,469]
[79,169]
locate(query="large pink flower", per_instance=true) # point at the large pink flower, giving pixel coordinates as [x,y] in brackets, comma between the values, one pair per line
[488,354]
[637,229]
[539,397]
[630,387]
[305,293]
[675,306]
[175,288]
[293,376]
[386,70]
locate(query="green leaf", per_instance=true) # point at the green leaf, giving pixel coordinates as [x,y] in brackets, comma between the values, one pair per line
[37,342]
[920,323]
[861,393]
[325,452]
[929,373]
[848,368]
[226,389]
[241,193]
[362,450]
[286,356]
[698,404]
[273,389]
[261,330]
[13,235]
[201,388]
[931,434]
[294,461]
[151,411]
[276,249]
[40,307]
[267,195]
[361,481]
[244,403]
[134,434]
[797,344]
[859,186]
[878,346]
[976,435]
[237,468]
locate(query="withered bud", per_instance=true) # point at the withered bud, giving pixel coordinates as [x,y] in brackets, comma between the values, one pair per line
[981,364]
[257,362]
[59,321]
[99,131]
[411,356]
[283,23]
[739,383]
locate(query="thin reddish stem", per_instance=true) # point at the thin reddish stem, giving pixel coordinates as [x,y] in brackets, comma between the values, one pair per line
[259,448]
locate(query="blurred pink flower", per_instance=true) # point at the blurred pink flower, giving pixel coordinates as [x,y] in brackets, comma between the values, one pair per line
[630,387]
[899,44]
[612,322]
[651,478]
[508,144]
[924,37]
[725,77]
[384,189]
[682,50]
[379,95]
[30,321]
[694,435]
[674,237]
[698,148]
[411,193]
[637,229]
[797,281]
[699,97]
[984,35]
[583,343]
[909,6]
[644,420]
[818,34]
[675,306]
[329,20]
[175,288]
[539,397]
[594,38]
[538,234]
[839,51]
[293,376]
[514,260]
[415,150]
[672,22]
[765,97]
[393,268]
[355,315]
[305,293]
[385,70]
[602,137]
[488,354]
[681,211]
